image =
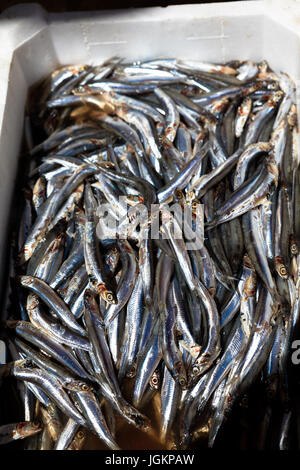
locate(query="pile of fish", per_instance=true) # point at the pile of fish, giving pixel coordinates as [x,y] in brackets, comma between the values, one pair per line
[101,322]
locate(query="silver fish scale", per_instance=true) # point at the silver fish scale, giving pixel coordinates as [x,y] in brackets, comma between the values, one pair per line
[127,300]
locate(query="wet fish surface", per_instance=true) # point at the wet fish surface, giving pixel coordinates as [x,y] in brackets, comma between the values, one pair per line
[154,258]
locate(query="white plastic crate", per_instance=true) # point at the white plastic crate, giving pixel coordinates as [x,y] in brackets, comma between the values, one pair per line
[34,42]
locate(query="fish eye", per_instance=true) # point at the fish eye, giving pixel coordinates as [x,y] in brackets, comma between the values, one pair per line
[36,424]
[109,297]
[294,248]
[85,387]
[179,194]
[283,271]
[182,382]
[132,372]
[195,370]
[154,381]
[80,435]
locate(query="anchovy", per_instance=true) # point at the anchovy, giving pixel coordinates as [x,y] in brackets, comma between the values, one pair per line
[67,435]
[52,327]
[49,296]
[126,282]
[93,260]
[94,416]
[13,432]
[46,343]
[51,387]
[153,258]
